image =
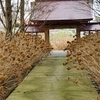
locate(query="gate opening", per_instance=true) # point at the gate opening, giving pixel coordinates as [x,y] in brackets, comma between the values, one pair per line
[59,37]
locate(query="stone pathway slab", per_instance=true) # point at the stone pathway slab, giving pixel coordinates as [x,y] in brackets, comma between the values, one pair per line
[49,81]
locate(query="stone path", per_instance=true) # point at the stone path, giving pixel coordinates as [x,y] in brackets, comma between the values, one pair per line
[49,81]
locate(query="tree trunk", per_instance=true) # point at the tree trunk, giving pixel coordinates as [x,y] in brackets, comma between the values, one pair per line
[22,15]
[8,17]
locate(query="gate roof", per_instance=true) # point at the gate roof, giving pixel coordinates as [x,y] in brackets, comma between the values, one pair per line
[62,11]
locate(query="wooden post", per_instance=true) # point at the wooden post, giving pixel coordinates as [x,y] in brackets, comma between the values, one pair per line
[47,35]
[77,33]
[89,32]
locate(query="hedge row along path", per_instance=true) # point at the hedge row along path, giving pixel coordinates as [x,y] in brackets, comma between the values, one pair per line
[50,80]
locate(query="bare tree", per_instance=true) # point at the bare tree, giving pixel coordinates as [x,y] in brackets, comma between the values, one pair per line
[22,15]
[8,16]
[96,9]
[4,14]
[11,11]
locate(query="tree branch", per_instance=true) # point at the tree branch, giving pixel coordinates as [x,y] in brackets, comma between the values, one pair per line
[3,22]
[16,14]
[2,7]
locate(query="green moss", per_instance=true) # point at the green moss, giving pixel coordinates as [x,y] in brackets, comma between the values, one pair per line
[49,81]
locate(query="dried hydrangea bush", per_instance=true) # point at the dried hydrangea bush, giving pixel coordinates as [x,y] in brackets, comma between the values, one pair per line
[85,54]
[17,57]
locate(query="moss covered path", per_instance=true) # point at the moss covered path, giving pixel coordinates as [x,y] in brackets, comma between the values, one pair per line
[50,80]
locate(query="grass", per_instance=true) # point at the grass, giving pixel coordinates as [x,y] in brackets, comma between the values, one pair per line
[59,39]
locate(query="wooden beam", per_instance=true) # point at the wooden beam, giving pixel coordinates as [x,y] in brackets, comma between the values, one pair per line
[47,35]
[59,26]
